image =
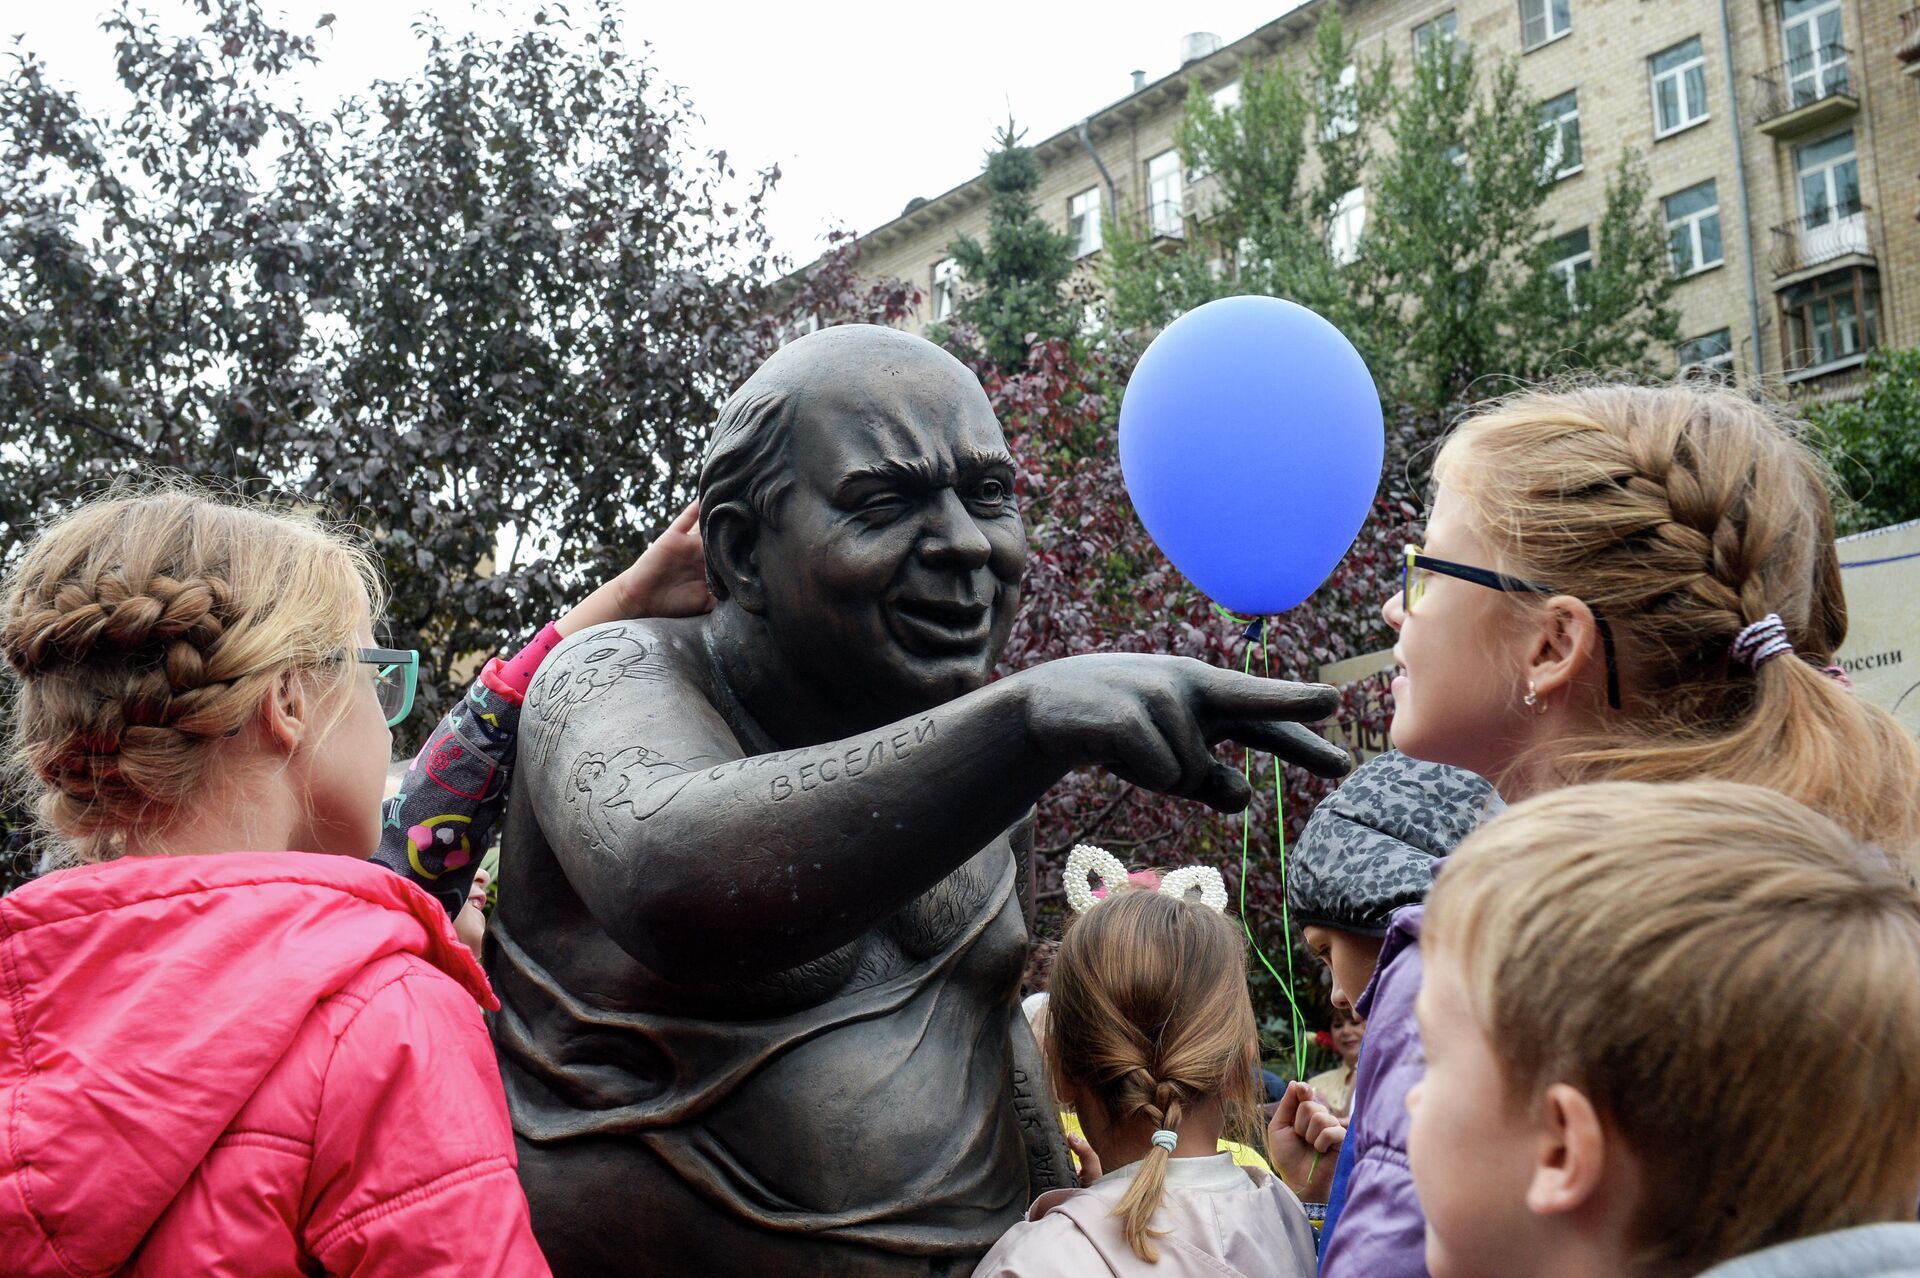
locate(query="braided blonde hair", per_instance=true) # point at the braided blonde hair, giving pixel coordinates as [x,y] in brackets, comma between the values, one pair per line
[145,628]
[1148,1013]
[1682,514]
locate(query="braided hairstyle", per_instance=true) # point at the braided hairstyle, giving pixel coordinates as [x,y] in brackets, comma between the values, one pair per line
[1682,514]
[144,629]
[1148,1015]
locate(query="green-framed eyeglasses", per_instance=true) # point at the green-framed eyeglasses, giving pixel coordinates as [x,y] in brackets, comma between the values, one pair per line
[396,673]
[1419,567]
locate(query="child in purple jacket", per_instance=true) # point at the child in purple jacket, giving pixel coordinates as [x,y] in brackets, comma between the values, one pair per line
[1362,866]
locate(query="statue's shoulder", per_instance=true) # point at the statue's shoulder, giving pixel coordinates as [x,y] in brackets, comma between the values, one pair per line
[617,661]
[652,648]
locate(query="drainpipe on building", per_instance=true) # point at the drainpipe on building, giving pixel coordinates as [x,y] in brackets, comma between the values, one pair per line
[1746,211]
[1113,196]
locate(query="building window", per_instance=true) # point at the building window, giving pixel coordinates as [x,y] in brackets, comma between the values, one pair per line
[1816,58]
[1833,320]
[1440,31]
[1226,101]
[1544,20]
[1679,88]
[1693,228]
[1570,256]
[1340,112]
[1164,214]
[1344,227]
[1829,174]
[1083,221]
[1560,121]
[1710,353]
[946,287]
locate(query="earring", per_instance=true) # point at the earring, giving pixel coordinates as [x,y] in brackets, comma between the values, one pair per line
[1532,699]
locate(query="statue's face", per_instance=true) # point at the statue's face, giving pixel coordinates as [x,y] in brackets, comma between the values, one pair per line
[893,573]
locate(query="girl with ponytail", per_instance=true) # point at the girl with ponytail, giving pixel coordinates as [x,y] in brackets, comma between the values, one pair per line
[1151,1039]
[1619,583]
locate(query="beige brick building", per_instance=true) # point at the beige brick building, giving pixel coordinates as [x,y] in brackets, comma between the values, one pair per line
[1783,137]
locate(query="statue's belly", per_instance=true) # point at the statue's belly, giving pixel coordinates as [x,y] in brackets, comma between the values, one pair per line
[920,1094]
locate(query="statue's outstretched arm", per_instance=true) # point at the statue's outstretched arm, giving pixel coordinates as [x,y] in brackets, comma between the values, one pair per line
[699,861]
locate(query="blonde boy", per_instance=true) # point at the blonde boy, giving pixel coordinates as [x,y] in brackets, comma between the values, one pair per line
[1671,1030]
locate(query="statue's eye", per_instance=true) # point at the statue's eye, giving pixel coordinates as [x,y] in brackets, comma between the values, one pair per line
[992,492]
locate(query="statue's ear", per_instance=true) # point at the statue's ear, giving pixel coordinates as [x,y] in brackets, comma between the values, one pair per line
[732,537]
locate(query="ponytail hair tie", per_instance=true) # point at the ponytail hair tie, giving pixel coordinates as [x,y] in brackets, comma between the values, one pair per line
[1166,1139]
[1761,642]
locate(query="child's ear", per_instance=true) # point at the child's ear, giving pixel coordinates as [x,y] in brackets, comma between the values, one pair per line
[1572,1153]
[1567,644]
[285,711]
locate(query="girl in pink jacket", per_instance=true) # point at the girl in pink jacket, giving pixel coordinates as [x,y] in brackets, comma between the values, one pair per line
[229,1044]
[1151,1039]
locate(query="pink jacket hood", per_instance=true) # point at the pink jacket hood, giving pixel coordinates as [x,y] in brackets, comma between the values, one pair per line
[144,1000]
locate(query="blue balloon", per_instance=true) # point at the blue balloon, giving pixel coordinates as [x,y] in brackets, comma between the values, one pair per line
[1251,440]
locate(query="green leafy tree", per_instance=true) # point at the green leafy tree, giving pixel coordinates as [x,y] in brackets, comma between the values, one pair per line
[1451,286]
[486,311]
[1016,284]
[1873,444]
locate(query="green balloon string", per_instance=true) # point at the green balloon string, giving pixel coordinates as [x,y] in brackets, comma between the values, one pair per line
[1255,627]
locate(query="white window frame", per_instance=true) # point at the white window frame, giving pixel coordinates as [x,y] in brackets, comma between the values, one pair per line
[1693,222]
[1083,221]
[1555,126]
[1166,212]
[1345,225]
[1545,11]
[1719,365]
[946,288]
[1827,77]
[1827,169]
[1678,75]
[1569,267]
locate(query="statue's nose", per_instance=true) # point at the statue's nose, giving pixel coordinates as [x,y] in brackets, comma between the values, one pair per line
[950,538]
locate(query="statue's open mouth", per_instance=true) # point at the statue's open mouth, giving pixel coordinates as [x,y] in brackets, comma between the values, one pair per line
[929,626]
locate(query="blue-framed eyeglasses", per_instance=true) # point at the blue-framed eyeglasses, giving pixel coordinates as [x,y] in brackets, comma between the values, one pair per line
[1419,567]
[396,674]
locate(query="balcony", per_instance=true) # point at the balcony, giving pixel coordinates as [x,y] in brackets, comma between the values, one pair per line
[1166,223]
[1818,242]
[1908,50]
[1805,92]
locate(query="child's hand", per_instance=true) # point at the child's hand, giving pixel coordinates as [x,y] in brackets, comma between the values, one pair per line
[1303,1143]
[1089,1161]
[470,925]
[669,579]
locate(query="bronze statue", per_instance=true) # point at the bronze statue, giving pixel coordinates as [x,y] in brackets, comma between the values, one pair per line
[766,880]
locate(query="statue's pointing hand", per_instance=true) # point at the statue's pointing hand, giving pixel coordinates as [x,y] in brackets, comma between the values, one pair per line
[1154,720]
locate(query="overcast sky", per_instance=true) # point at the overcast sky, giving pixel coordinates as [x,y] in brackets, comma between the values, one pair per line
[862,103]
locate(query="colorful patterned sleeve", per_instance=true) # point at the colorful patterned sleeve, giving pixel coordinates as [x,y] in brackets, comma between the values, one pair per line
[437,827]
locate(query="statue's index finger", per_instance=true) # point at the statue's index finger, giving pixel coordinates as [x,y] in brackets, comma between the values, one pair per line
[1227,694]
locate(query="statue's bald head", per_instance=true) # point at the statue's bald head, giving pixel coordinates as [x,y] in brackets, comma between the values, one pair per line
[850,371]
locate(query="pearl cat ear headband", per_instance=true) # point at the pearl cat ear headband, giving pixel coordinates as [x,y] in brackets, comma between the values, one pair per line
[1087,862]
